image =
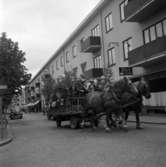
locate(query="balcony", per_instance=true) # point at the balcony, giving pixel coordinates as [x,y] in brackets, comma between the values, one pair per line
[140,10]
[93,73]
[91,44]
[37,84]
[153,51]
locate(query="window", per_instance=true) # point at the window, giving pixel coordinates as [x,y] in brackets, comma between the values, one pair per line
[83,66]
[164,26]
[96,31]
[82,41]
[111,56]
[155,31]
[57,65]
[52,70]
[127,46]
[74,51]
[146,36]
[159,30]
[61,61]
[122,6]
[108,22]
[97,62]
[152,33]
[67,56]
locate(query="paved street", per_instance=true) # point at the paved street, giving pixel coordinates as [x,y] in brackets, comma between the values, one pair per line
[38,143]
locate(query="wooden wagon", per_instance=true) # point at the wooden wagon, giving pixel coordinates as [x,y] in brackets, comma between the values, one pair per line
[69,109]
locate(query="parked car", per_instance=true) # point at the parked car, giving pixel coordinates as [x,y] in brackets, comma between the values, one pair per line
[16,115]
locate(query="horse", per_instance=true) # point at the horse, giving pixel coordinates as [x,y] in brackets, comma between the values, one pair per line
[118,94]
[143,91]
[93,107]
[108,101]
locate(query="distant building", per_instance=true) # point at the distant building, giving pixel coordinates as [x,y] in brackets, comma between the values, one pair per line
[117,33]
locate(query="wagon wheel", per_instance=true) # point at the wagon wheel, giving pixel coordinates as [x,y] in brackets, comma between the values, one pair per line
[111,121]
[58,123]
[74,123]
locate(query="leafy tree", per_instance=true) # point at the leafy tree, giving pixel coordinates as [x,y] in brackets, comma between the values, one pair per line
[67,81]
[51,87]
[48,87]
[12,69]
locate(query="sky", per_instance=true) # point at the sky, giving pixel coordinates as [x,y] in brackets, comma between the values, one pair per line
[41,26]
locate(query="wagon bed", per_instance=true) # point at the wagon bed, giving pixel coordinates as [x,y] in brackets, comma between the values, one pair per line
[72,111]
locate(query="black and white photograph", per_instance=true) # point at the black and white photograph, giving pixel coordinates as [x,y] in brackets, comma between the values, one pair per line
[82,83]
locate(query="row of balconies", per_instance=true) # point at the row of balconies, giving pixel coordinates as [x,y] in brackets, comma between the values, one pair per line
[135,11]
[148,52]
[139,55]
[139,10]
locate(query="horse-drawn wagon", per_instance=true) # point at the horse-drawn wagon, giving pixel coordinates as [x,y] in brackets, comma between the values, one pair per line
[90,106]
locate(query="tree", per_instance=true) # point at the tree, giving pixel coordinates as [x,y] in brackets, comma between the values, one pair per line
[67,81]
[12,69]
[51,87]
[48,88]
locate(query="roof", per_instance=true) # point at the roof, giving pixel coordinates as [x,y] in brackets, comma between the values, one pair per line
[87,19]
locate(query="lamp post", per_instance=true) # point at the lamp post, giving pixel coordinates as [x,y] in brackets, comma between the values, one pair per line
[3,89]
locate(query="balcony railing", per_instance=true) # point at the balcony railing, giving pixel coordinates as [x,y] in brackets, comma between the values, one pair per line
[91,44]
[139,10]
[150,51]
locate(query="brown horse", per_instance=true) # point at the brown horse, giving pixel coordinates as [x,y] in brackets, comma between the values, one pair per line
[118,94]
[109,101]
[143,90]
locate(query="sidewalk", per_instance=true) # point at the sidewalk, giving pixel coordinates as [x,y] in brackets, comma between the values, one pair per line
[150,119]
[8,136]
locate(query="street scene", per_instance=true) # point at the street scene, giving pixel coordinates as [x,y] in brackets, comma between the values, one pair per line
[82,83]
[37,142]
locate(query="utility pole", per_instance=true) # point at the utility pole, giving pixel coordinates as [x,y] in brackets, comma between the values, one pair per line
[3,90]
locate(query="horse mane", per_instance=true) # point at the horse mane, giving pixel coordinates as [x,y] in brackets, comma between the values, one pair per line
[120,84]
[138,85]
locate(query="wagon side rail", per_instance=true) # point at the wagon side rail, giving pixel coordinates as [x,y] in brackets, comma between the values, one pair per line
[75,104]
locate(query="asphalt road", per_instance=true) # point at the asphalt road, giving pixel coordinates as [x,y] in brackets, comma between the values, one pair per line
[38,143]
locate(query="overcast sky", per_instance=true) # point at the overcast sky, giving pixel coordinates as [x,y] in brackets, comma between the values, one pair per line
[41,26]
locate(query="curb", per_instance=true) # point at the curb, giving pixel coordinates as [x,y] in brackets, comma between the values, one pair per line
[6,141]
[155,123]
[9,138]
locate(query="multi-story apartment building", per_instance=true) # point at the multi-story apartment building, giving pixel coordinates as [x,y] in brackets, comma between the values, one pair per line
[117,33]
[148,53]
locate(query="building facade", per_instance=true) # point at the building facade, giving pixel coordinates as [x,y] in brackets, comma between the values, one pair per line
[117,33]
